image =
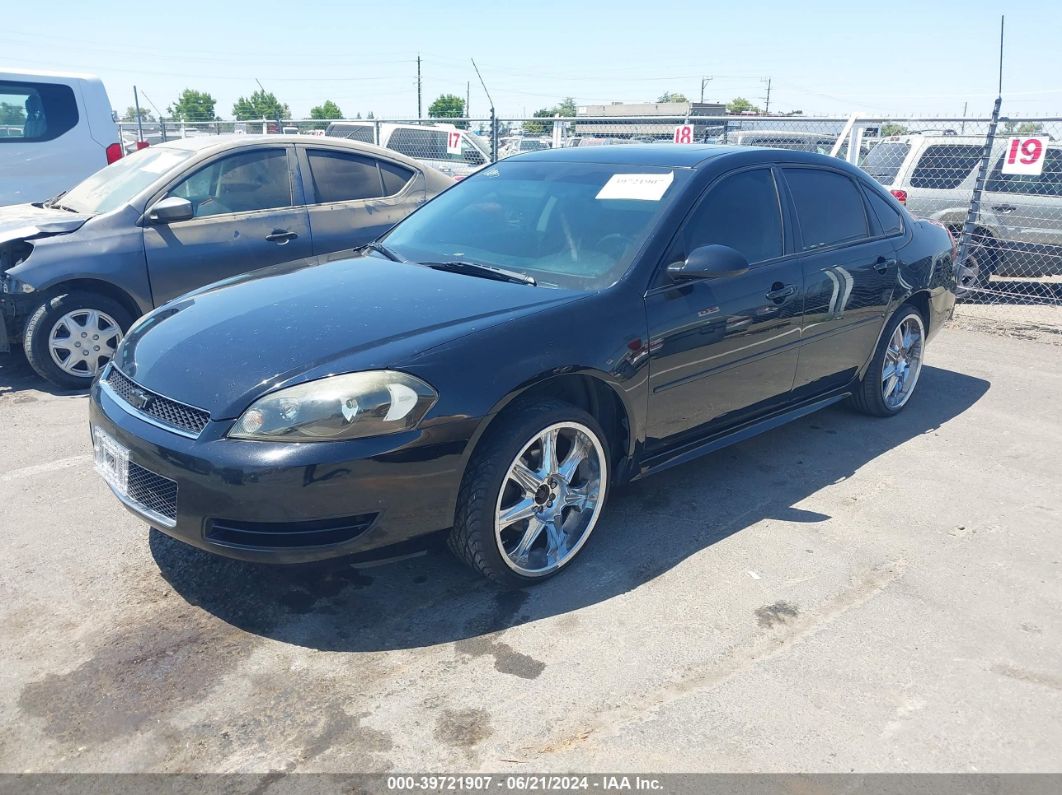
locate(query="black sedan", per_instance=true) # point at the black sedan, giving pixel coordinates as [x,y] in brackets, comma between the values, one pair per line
[559,324]
[76,271]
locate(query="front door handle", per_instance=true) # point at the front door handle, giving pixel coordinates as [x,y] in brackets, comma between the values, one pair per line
[779,292]
[280,236]
[882,265]
[1004,208]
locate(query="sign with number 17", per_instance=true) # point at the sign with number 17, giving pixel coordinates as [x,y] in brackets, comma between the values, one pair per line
[453,143]
[1025,156]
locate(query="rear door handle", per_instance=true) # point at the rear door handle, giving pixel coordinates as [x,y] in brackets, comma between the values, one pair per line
[1004,208]
[280,236]
[882,265]
[779,292]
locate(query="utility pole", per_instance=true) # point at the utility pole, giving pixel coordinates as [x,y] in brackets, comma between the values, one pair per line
[419,116]
[767,100]
[704,81]
[493,115]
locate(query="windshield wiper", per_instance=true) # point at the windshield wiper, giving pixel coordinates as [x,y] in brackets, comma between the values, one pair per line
[484,271]
[380,248]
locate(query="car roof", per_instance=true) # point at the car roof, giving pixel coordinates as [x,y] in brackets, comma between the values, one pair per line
[667,155]
[206,144]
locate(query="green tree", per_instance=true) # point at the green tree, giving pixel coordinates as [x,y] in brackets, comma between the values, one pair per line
[536,127]
[448,106]
[193,105]
[890,128]
[12,113]
[1030,128]
[566,108]
[371,115]
[672,96]
[327,110]
[260,105]
[741,105]
[130,114]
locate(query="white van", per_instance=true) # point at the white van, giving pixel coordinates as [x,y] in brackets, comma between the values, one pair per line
[55,130]
[428,143]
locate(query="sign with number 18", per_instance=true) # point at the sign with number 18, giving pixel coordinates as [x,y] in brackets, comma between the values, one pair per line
[684,134]
[1025,156]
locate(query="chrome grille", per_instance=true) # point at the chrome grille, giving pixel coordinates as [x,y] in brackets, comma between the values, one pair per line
[170,413]
[152,492]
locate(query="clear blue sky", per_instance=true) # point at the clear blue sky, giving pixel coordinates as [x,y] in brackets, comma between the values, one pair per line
[885,56]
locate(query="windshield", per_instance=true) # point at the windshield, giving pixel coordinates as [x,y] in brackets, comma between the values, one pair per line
[113,186]
[574,225]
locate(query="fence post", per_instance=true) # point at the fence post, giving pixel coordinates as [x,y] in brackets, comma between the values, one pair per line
[162,129]
[974,212]
[376,133]
[493,136]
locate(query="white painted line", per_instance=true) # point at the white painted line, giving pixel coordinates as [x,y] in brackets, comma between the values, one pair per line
[40,469]
[753,574]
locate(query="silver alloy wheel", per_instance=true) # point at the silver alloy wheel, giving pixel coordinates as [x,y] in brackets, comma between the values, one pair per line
[82,341]
[903,361]
[550,499]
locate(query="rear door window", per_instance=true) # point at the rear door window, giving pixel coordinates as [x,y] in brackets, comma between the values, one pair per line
[395,177]
[36,111]
[945,166]
[889,217]
[829,207]
[341,177]
[884,160]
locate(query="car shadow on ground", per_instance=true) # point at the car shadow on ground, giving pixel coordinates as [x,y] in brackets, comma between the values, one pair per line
[16,376]
[647,528]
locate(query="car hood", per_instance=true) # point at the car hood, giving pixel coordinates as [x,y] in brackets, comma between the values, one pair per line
[221,347]
[24,221]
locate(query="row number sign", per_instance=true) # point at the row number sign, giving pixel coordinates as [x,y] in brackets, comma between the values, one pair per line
[453,143]
[1025,156]
[684,134]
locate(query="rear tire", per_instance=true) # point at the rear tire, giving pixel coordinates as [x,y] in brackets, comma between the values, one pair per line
[558,495]
[890,380]
[71,337]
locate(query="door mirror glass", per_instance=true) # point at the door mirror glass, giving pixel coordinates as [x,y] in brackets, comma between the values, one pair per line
[709,262]
[170,209]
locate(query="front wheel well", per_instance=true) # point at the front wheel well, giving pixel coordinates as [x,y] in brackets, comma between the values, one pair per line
[593,396]
[95,286]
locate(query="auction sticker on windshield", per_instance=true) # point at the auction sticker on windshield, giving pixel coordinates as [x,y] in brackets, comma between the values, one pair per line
[647,187]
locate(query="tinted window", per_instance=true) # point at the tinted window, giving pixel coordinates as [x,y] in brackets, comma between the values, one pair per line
[889,217]
[394,177]
[239,183]
[36,111]
[884,160]
[828,205]
[944,166]
[741,212]
[1048,183]
[340,177]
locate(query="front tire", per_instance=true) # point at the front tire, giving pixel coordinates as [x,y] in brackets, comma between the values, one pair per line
[893,373]
[70,338]
[533,494]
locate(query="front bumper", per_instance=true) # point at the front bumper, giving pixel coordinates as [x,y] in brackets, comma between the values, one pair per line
[290,502]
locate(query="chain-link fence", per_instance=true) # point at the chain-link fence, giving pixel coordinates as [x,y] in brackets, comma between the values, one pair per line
[1010,232]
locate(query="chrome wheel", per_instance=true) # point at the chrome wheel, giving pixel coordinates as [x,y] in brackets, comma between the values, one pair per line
[550,499]
[82,341]
[903,362]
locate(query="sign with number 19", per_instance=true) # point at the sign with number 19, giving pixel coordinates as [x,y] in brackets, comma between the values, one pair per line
[1025,156]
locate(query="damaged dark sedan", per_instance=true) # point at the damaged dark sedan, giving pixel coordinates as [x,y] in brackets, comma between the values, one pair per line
[554,326]
[77,270]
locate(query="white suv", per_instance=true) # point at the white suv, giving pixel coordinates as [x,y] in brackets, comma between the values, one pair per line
[56,130]
[424,142]
[1019,229]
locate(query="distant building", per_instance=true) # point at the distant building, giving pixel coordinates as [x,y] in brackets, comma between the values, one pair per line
[626,126]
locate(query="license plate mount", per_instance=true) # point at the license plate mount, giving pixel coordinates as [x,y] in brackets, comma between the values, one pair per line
[111,460]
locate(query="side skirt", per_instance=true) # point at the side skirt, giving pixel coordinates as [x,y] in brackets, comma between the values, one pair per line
[702,447]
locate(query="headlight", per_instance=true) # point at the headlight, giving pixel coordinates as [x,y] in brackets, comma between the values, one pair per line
[338,407]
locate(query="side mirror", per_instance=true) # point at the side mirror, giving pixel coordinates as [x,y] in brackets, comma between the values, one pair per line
[709,262]
[171,209]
